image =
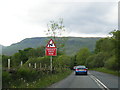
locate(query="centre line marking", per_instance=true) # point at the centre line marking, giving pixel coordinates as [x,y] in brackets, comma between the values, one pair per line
[100,84]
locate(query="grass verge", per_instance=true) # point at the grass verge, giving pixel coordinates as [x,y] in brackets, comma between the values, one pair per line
[45,81]
[49,80]
[105,70]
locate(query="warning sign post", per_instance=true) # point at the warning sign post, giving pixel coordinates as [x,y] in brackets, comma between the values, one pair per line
[51,50]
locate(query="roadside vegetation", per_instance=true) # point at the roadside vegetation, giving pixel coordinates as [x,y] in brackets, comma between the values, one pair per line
[105,57]
[30,68]
[109,71]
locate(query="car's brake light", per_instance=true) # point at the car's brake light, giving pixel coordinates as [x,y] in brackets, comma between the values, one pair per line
[85,69]
[77,69]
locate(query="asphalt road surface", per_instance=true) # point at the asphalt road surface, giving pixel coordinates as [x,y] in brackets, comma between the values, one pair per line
[97,80]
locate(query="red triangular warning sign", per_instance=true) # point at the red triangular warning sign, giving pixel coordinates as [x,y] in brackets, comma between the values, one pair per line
[51,44]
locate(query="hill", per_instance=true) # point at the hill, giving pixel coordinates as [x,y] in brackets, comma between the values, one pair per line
[72,45]
[1,47]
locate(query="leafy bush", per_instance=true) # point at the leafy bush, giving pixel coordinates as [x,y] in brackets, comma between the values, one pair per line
[82,55]
[62,61]
[111,63]
[27,73]
[5,60]
[6,78]
[90,61]
[99,60]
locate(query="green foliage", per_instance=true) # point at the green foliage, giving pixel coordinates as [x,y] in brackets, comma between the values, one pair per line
[90,61]
[5,60]
[24,55]
[82,55]
[105,70]
[96,60]
[6,78]
[111,63]
[27,73]
[104,45]
[55,30]
[116,39]
[62,61]
[36,52]
[16,59]
[73,61]
[43,60]
[104,56]
[99,60]
[35,77]
[106,52]
[51,79]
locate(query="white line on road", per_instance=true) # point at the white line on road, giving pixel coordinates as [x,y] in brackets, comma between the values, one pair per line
[101,85]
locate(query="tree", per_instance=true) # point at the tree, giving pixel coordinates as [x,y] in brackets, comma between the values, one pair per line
[99,59]
[5,60]
[107,52]
[90,61]
[82,55]
[111,63]
[37,52]
[55,31]
[62,61]
[116,38]
[104,45]
[21,55]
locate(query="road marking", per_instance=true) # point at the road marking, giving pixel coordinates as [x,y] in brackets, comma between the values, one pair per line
[100,84]
[96,81]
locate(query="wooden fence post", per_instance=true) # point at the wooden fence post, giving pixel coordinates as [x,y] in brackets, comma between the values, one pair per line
[35,65]
[8,63]
[29,64]
[21,63]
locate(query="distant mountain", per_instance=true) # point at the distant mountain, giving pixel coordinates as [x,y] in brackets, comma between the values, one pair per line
[73,44]
[1,47]
[28,42]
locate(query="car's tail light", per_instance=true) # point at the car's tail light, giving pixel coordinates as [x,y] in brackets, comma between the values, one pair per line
[85,69]
[77,69]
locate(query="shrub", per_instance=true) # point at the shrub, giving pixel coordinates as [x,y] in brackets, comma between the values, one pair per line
[27,74]
[111,63]
[6,78]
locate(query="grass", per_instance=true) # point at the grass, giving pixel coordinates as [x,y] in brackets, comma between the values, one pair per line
[50,79]
[105,70]
[45,81]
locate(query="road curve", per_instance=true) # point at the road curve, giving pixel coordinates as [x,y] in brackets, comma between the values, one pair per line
[92,80]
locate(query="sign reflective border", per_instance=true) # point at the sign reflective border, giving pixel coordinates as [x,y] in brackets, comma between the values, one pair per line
[51,51]
[51,44]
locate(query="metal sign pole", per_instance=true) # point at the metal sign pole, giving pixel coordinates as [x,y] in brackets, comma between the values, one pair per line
[51,63]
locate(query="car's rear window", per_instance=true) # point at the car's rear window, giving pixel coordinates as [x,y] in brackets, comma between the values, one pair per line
[80,67]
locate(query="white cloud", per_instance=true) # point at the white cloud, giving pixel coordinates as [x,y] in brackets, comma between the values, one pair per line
[112,15]
[21,19]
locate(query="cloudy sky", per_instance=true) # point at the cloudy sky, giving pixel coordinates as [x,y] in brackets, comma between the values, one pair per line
[20,19]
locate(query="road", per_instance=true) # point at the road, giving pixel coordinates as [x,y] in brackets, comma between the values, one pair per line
[94,79]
